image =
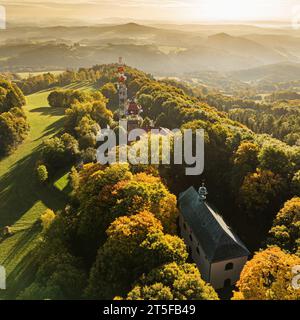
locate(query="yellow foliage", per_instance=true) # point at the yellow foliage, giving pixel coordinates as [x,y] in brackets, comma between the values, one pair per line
[134,226]
[47,218]
[268,276]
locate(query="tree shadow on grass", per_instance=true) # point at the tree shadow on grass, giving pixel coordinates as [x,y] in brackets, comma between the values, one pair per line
[24,272]
[49,111]
[79,85]
[21,277]
[20,191]
[53,128]
[27,236]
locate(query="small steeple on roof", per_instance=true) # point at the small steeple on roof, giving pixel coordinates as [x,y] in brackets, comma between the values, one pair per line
[203,191]
[216,238]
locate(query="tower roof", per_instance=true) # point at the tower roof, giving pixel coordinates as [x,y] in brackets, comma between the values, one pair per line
[216,238]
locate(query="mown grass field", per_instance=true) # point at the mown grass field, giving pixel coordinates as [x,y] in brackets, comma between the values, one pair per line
[22,199]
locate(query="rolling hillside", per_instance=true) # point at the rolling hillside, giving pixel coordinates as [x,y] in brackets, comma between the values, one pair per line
[35,48]
[273,73]
[22,199]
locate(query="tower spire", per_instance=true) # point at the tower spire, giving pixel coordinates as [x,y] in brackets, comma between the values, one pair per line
[203,192]
[122,87]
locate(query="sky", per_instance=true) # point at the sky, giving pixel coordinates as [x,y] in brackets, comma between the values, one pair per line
[168,10]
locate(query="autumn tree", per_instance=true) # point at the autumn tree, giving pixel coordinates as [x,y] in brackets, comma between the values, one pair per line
[146,192]
[172,282]
[113,191]
[110,92]
[47,218]
[93,191]
[259,191]
[286,227]
[60,272]
[268,276]
[86,132]
[135,245]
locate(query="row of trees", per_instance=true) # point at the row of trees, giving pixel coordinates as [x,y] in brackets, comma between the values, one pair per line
[48,80]
[65,98]
[13,123]
[98,75]
[85,114]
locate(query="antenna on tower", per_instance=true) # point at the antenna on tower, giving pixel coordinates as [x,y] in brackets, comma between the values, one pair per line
[122,87]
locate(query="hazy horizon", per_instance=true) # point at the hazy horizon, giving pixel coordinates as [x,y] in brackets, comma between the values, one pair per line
[167,11]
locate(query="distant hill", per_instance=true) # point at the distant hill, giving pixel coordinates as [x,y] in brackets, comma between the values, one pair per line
[275,73]
[245,48]
[159,50]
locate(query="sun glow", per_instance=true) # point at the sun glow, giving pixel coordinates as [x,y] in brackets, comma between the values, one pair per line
[236,9]
[168,10]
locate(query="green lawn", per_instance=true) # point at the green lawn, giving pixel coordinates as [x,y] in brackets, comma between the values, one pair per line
[62,183]
[22,199]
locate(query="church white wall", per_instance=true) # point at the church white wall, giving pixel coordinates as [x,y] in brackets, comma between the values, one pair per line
[219,274]
[214,273]
[198,257]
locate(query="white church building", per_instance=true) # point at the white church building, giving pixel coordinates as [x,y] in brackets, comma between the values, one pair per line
[218,253]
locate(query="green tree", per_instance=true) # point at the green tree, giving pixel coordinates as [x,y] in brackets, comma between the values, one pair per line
[296,184]
[42,173]
[13,130]
[275,159]
[59,277]
[259,191]
[10,96]
[57,152]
